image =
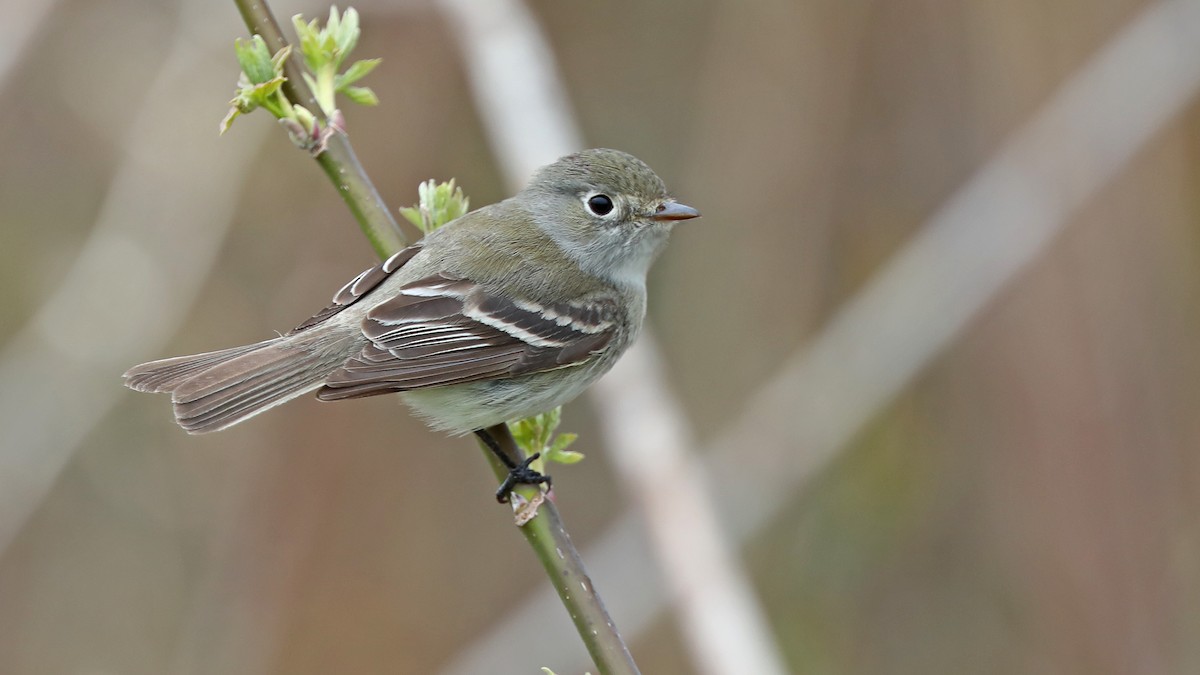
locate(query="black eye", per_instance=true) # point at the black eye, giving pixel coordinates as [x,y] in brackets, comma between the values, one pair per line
[600,205]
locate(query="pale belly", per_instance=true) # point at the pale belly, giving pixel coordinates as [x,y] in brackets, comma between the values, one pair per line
[464,408]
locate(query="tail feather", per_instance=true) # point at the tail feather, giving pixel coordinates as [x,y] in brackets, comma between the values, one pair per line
[242,399]
[219,389]
[165,375]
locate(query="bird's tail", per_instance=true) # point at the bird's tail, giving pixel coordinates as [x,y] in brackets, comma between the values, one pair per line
[216,390]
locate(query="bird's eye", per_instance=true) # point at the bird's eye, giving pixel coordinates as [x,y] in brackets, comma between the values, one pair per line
[601,205]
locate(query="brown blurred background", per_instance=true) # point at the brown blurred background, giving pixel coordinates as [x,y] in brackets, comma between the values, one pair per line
[1027,505]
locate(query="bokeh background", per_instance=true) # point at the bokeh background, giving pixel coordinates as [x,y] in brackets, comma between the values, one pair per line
[1027,502]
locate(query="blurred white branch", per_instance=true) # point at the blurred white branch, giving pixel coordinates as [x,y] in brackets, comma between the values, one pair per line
[515,82]
[145,259]
[524,106]
[21,24]
[979,241]
[656,453]
[969,250]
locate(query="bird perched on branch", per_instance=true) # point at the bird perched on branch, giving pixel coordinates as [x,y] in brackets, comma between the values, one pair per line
[503,313]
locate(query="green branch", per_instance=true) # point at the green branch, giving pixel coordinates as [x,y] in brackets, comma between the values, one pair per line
[337,159]
[552,545]
[537,516]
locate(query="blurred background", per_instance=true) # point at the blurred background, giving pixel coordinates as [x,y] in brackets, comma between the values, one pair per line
[1016,489]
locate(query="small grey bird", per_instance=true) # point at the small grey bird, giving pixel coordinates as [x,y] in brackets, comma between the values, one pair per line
[503,313]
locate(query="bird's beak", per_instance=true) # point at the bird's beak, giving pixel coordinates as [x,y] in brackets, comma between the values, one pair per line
[675,211]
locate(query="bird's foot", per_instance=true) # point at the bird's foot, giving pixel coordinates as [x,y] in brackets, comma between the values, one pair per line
[521,474]
[518,473]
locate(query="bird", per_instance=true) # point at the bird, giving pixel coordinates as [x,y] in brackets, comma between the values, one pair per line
[505,312]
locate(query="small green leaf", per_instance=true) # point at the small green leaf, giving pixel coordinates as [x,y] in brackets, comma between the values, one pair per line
[563,442]
[259,82]
[243,102]
[361,95]
[243,98]
[557,451]
[331,44]
[537,434]
[523,433]
[268,88]
[356,72]
[325,48]
[345,32]
[255,59]
[281,58]
[413,215]
[439,203]
[260,94]
[309,40]
[230,116]
[564,457]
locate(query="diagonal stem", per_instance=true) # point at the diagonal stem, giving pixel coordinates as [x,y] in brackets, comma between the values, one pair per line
[552,544]
[338,160]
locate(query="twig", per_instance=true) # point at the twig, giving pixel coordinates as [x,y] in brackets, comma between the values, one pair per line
[552,545]
[544,530]
[21,27]
[338,160]
[53,392]
[710,591]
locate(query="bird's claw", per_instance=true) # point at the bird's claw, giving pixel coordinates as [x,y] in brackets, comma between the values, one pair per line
[521,474]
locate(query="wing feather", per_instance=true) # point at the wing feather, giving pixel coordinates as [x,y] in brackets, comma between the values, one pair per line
[445,330]
[359,286]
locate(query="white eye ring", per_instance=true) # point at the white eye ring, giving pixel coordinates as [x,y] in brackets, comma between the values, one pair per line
[599,204]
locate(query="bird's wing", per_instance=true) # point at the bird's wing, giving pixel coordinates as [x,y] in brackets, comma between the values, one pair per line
[445,329]
[359,286]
